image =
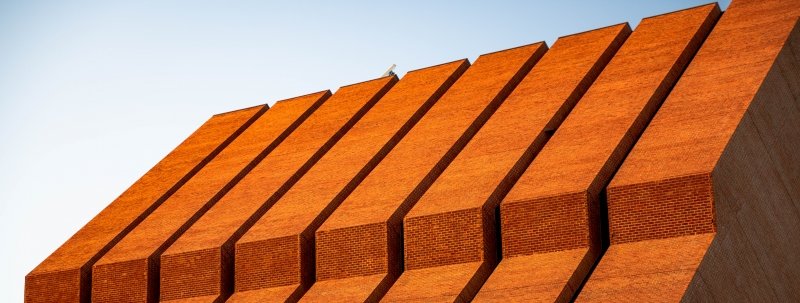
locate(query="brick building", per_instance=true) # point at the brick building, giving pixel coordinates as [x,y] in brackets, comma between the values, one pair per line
[660,163]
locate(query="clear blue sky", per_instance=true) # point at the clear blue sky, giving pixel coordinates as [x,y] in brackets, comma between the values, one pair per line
[94,93]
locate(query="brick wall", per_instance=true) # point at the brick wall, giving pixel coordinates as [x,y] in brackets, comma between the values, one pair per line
[547,224]
[412,192]
[335,247]
[662,209]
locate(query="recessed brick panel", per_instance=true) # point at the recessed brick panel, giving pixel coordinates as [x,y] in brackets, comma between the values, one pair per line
[433,240]
[262,264]
[663,209]
[124,281]
[173,279]
[66,274]
[336,247]
[546,224]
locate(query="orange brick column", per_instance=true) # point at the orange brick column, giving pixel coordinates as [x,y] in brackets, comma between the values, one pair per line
[65,276]
[304,206]
[368,221]
[706,204]
[126,271]
[550,220]
[454,221]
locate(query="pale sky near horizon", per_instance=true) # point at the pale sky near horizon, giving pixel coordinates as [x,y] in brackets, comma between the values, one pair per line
[94,93]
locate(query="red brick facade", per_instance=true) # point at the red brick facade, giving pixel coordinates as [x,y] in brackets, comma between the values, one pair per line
[651,165]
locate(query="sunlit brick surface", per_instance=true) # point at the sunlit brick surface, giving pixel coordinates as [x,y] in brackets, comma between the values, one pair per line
[657,164]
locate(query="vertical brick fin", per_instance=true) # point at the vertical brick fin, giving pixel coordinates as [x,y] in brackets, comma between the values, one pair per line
[662,209]
[303,207]
[558,195]
[509,140]
[65,275]
[470,132]
[174,215]
[410,167]
[728,143]
[284,162]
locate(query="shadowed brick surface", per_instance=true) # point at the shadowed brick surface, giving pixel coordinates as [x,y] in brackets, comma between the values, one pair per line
[126,272]
[376,209]
[733,123]
[302,208]
[454,221]
[65,275]
[555,204]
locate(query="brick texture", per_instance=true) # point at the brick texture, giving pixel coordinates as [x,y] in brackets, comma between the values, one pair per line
[668,208]
[65,276]
[662,273]
[270,178]
[414,163]
[742,143]
[115,278]
[555,205]
[655,165]
[498,154]
[455,220]
[301,209]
